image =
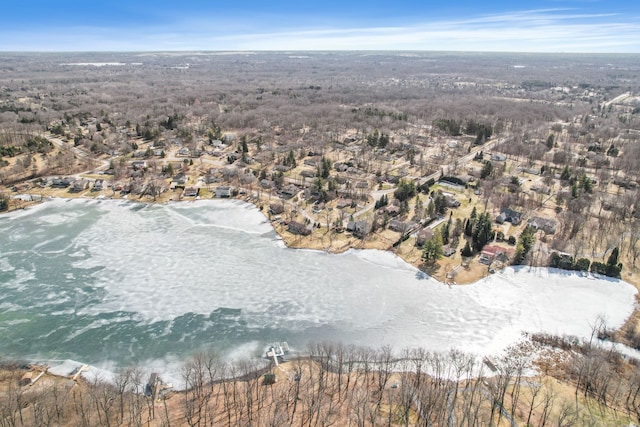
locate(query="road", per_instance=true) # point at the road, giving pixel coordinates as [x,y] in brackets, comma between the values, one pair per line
[77,152]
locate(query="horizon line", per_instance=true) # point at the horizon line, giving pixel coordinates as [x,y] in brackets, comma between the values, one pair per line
[245,51]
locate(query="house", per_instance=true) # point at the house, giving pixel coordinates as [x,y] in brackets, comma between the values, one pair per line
[79,185]
[318,207]
[224,191]
[531,171]
[246,178]
[362,184]
[359,228]
[61,182]
[498,157]
[210,179]
[126,189]
[397,225]
[308,173]
[267,184]
[312,161]
[276,208]
[190,191]
[391,210]
[343,203]
[340,167]
[289,191]
[509,215]
[424,235]
[392,179]
[228,138]
[298,228]
[139,164]
[180,179]
[401,226]
[450,201]
[549,226]
[489,253]
[281,168]
[20,188]
[98,185]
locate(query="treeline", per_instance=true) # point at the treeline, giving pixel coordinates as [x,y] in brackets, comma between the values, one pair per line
[33,144]
[342,385]
[375,112]
[611,268]
[377,139]
[453,127]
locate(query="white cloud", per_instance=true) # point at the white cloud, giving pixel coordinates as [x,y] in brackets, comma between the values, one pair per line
[548,30]
[529,31]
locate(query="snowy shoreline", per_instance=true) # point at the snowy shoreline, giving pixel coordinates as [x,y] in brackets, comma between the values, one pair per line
[365,297]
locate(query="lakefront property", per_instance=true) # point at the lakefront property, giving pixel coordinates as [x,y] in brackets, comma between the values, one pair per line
[459,213]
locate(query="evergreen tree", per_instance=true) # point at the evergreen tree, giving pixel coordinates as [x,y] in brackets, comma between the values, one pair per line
[474,214]
[482,232]
[550,142]
[468,228]
[439,203]
[487,170]
[433,249]
[613,268]
[406,190]
[290,160]
[383,141]
[4,202]
[525,243]
[445,231]
[585,183]
[466,251]
[613,258]
[332,185]
[431,210]
[325,167]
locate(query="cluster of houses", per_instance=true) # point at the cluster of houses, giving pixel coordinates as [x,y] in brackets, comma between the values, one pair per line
[549,226]
[75,185]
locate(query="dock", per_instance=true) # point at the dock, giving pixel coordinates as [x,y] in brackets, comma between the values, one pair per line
[277,351]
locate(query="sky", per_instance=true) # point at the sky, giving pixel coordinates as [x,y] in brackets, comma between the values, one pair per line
[597,26]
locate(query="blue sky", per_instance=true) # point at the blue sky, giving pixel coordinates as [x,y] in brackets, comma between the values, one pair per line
[511,26]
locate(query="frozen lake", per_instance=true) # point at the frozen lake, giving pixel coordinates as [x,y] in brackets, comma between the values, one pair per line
[114,283]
